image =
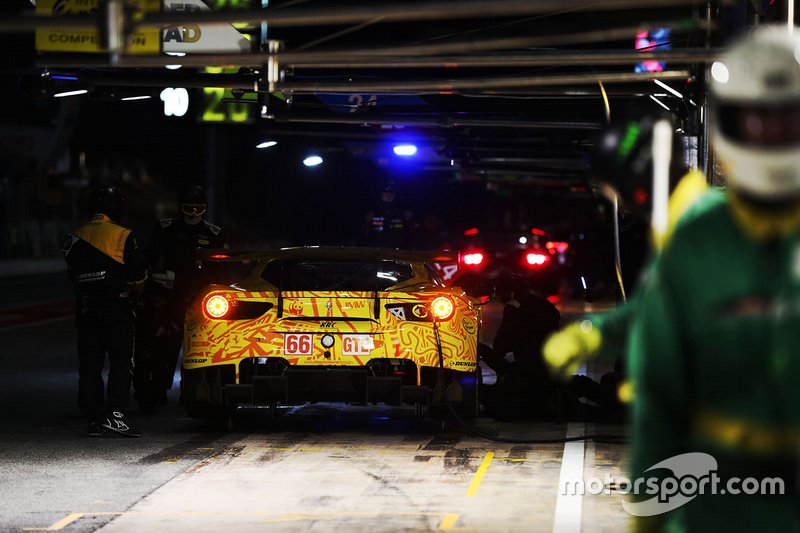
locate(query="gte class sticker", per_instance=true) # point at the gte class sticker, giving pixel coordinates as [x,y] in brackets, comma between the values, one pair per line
[357,344]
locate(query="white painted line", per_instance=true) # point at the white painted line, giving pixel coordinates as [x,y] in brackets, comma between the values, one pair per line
[569,507]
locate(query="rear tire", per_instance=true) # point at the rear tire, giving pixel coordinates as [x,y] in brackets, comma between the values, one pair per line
[469,406]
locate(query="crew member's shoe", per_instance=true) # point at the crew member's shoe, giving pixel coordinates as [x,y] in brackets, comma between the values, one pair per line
[115,421]
[96,429]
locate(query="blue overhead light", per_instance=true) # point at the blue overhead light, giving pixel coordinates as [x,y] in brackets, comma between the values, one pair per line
[312,161]
[405,150]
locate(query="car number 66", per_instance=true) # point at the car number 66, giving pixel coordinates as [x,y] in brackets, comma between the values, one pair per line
[297,343]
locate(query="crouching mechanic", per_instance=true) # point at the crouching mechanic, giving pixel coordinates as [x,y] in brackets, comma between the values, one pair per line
[105,264]
[714,351]
[175,278]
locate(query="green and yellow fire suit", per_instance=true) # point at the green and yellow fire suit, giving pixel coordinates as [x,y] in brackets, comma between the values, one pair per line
[714,355]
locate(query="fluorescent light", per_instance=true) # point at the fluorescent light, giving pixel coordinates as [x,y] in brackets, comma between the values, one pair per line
[267,144]
[132,98]
[70,93]
[659,102]
[405,150]
[667,87]
[177,54]
[312,161]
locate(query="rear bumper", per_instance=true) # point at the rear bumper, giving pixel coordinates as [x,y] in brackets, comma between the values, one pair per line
[207,390]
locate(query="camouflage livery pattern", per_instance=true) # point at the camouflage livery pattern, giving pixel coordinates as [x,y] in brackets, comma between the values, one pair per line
[348,317]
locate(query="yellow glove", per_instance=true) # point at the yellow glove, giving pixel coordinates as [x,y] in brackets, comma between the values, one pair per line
[647,524]
[566,350]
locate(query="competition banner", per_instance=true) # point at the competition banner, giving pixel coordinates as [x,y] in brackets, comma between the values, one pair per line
[146,41]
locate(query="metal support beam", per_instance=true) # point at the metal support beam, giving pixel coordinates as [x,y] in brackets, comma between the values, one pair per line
[355,61]
[319,16]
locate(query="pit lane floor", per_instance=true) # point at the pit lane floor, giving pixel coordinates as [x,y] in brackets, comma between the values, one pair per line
[321,467]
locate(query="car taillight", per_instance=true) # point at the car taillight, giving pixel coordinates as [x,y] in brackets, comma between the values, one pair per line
[442,308]
[473,258]
[536,259]
[557,246]
[216,306]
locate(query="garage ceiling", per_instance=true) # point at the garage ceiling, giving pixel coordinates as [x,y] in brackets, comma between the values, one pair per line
[501,89]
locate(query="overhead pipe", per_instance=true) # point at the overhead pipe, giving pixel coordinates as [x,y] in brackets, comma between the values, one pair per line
[304,58]
[25,22]
[251,82]
[453,85]
[519,60]
[442,122]
[324,60]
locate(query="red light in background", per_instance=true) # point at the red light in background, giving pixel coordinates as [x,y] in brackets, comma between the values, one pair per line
[471,231]
[640,196]
[473,258]
[554,299]
[536,259]
[557,246]
[537,231]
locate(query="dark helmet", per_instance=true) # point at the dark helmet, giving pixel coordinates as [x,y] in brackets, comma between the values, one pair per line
[623,157]
[193,201]
[106,200]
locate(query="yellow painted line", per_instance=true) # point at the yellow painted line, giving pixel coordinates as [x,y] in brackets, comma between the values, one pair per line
[67,520]
[449,521]
[476,481]
[177,458]
[298,518]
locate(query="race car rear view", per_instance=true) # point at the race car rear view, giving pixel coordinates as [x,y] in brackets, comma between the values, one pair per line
[334,325]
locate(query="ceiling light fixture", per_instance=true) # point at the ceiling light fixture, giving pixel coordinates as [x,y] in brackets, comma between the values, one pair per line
[266,144]
[405,150]
[312,161]
[667,87]
[70,93]
[659,102]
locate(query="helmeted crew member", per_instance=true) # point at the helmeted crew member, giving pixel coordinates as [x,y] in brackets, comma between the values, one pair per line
[172,256]
[389,226]
[715,351]
[105,263]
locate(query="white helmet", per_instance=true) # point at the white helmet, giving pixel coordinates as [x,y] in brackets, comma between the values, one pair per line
[756,88]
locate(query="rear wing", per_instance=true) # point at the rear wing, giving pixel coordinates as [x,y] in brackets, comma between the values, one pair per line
[231,265]
[320,252]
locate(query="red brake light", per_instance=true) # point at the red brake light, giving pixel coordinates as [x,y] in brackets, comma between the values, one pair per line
[473,258]
[556,246]
[536,259]
[471,231]
[539,232]
[216,306]
[219,256]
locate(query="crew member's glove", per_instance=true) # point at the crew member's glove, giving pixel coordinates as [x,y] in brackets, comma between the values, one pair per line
[566,350]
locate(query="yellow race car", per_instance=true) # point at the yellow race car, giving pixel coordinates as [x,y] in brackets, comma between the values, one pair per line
[316,324]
